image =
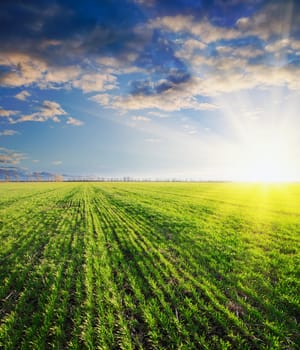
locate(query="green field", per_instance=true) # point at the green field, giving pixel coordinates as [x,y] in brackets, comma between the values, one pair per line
[149,266]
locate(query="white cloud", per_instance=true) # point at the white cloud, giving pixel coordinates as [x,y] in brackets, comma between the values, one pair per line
[50,42]
[274,19]
[286,45]
[8,132]
[140,118]
[247,51]
[190,129]
[109,61]
[211,76]
[8,156]
[61,75]
[193,44]
[102,99]
[230,70]
[203,30]
[113,65]
[222,74]
[227,72]
[255,114]
[170,100]
[276,76]
[224,49]
[49,110]
[24,70]
[95,82]
[295,45]
[57,162]
[158,114]
[75,122]
[22,95]
[147,3]
[7,113]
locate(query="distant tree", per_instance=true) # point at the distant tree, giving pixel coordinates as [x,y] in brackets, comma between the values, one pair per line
[58,178]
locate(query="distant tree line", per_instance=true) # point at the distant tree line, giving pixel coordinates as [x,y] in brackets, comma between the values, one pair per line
[38,177]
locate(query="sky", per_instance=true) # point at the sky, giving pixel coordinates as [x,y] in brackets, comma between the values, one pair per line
[206,90]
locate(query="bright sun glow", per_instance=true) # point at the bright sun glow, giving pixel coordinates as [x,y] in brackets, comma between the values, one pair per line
[268,157]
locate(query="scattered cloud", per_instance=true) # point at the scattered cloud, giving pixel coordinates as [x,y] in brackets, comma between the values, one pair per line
[95,82]
[21,69]
[246,51]
[169,100]
[158,114]
[117,65]
[25,70]
[49,110]
[276,18]
[8,132]
[145,2]
[191,45]
[203,29]
[102,99]
[57,162]
[285,45]
[253,115]
[147,59]
[220,74]
[7,113]
[92,57]
[140,118]
[10,157]
[22,95]
[190,129]
[56,77]
[73,121]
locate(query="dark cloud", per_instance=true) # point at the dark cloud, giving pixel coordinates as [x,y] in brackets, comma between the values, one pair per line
[58,30]
[142,87]
[65,18]
[171,81]
[36,35]
[158,55]
[179,76]
[221,12]
[163,86]
[174,7]
[61,32]
[167,70]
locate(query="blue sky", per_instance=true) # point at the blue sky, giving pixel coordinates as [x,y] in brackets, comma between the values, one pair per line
[207,90]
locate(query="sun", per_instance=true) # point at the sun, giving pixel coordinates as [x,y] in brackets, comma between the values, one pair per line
[268,157]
